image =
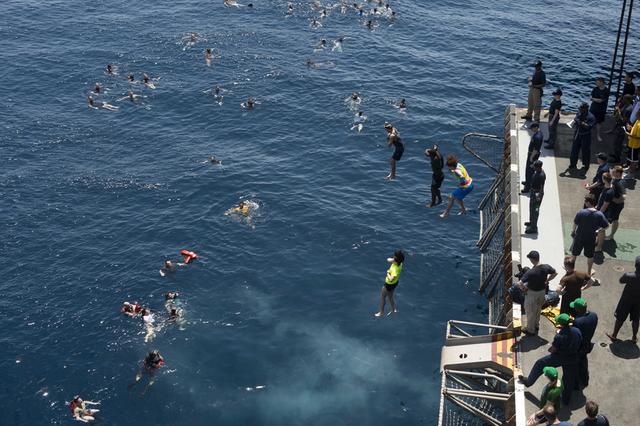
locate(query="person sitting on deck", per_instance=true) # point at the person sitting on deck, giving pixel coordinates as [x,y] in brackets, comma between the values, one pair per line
[551,394]
[593,418]
[551,416]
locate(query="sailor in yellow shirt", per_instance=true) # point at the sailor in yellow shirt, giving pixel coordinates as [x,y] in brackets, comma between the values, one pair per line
[633,134]
[391,282]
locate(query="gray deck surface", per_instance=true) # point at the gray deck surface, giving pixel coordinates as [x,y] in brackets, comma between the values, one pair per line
[614,367]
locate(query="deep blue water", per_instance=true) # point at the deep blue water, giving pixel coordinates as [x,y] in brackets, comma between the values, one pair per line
[93,201]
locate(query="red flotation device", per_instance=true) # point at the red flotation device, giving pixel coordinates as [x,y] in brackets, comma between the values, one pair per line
[188,256]
[72,406]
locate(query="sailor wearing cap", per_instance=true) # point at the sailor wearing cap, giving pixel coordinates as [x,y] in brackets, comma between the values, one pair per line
[555,108]
[535,198]
[587,322]
[582,125]
[563,352]
[536,84]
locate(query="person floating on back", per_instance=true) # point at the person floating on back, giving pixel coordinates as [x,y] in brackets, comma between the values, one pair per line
[465,185]
[391,282]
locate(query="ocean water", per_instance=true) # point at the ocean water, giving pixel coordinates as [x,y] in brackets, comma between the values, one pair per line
[279,327]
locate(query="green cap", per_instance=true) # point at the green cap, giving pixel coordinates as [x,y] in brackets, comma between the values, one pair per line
[578,303]
[550,372]
[563,319]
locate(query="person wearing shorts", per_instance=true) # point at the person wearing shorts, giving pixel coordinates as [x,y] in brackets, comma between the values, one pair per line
[629,304]
[465,185]
[393,138]
[586,225]
[391,282]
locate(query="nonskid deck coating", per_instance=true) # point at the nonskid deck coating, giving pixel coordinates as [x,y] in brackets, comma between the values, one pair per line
[613,368]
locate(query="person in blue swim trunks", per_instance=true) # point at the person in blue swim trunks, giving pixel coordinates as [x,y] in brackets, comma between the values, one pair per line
[465,185]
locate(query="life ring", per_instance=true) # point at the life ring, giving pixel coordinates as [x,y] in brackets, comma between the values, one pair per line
[188,256]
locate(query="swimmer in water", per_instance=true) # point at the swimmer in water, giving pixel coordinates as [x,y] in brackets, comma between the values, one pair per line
[358,122]
[171,295]
[150,365]
[100,105]
[208,56]
[110,70]
[213,160]
[147,81]
[249,104]
[323,14]
[243,207]
[289,10]
[322,44]
[354,101]
[315,24]
[391,282]
[80,410]
[402,104]
[337,44]
[170,266]
[131,78]
[132,309]
[131,97]
[370,25]
[97,89]
[149,319]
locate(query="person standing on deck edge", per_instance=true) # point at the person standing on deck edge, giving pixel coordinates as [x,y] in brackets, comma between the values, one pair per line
[536,83]
[554,118]
[533,153]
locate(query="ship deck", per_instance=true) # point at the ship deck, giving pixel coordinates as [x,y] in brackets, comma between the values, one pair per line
[614,367]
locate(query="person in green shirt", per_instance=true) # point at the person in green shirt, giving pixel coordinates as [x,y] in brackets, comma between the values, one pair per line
[551,395]
[391,282]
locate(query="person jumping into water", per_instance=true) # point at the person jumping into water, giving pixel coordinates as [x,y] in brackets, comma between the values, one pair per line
[393,138]
[391,282]
[437,163]
[465,185]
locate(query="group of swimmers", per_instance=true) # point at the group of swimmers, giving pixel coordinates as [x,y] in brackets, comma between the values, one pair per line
[153,361]
[380,9]
[99,90]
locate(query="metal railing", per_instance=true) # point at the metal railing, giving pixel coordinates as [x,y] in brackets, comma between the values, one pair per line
[476,396]
[494,209]
[485,397]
